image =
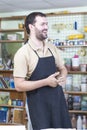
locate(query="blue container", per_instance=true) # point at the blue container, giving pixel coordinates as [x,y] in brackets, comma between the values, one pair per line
[3,116]
[11,83]
[75,25]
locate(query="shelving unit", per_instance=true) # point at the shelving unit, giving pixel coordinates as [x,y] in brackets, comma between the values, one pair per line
[12,35]
[61,25]
[15,107]
[79,73]
[12,117]
[77,93]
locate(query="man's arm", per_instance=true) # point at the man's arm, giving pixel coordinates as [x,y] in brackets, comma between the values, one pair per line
[62,77]
[22,85]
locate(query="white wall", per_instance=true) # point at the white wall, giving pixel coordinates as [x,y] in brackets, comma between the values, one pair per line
[76,9]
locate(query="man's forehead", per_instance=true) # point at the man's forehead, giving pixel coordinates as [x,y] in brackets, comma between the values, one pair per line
[39,18]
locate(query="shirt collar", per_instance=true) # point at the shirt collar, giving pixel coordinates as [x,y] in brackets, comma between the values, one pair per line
[34,46]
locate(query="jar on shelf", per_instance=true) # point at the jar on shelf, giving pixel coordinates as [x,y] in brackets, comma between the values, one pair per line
[84,87]
[69,81]
[75,63]
[84,103]
[68,62]
[76,102]
[84,84]
[76,87]
[11,83]
[83,67]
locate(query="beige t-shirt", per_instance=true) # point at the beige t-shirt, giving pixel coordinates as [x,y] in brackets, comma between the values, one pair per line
[25,59]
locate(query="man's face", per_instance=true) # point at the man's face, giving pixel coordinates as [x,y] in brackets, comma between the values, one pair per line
[41,28]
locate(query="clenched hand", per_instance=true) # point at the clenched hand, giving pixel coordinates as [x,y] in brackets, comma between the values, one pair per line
[52,80]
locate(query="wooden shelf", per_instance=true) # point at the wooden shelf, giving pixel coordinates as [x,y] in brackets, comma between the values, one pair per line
[75,93]
[65,13]
[11,106]
[78,111]
[9,89]
[77,72]
[11,41]
[13,18]
[71,46]
[9,124]
[6,71]
[11,30]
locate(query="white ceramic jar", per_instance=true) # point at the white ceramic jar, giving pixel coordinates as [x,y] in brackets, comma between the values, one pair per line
[83,87]
[83,67]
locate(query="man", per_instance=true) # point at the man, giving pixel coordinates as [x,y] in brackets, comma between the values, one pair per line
[40,71]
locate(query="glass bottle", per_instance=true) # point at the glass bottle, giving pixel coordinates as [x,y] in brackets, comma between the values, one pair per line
[79,123]
[70,102]
[73,121]
[84,123]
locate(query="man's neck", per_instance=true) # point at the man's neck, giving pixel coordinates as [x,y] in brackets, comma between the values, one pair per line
[38,43]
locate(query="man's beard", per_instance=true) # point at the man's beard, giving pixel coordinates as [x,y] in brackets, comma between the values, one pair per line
[42,36]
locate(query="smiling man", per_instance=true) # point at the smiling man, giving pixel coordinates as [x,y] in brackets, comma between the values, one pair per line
[39,70]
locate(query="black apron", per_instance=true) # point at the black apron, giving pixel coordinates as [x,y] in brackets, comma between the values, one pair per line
[47,105]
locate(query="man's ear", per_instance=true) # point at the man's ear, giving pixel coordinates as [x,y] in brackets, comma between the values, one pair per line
[30,26]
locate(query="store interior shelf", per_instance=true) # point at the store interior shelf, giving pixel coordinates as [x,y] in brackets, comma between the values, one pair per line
[77,72]
[11,106]
[1,124]
[11,30]
[64,13]
[13,18]
[6,71]
[9,89]
[11,41]
[78,111]
[75,92]
[71,46]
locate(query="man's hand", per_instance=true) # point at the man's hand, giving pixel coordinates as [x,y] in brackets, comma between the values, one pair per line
[52,80]
[61,80]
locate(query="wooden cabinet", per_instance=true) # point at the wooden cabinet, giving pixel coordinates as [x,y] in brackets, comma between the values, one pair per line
[12,37]
[12,103]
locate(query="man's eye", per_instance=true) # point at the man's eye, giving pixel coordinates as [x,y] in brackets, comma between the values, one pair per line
[44,24]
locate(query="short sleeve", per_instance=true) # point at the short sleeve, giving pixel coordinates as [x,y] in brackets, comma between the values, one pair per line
[20,65]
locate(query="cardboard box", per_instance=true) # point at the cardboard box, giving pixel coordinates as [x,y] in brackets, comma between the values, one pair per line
[4,98]
[18,116]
